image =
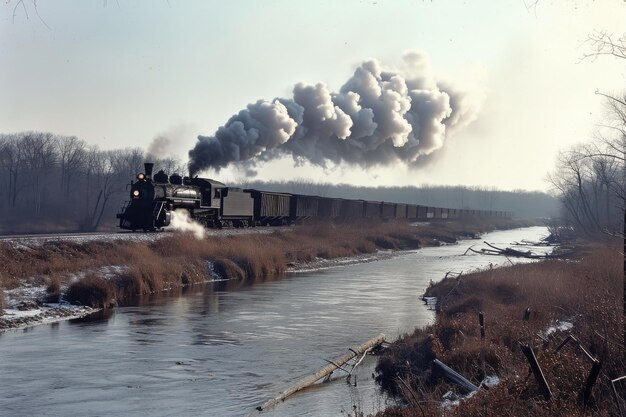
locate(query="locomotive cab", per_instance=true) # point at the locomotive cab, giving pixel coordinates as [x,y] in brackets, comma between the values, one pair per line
[210,191]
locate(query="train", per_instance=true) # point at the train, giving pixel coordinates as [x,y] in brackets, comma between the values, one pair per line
[215,205]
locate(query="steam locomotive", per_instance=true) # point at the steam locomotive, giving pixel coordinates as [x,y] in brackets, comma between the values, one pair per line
[213,204]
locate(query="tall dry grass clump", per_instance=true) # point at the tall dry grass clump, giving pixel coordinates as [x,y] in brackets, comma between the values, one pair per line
[585,293]
[92,291]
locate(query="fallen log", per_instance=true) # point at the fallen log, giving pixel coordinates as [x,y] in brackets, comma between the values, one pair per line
[332,366]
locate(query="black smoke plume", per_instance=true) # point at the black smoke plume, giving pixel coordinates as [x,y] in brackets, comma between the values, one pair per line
[378,117]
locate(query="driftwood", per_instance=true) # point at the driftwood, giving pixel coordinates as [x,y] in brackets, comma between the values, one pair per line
[481,323]
[454,376]
[509,252]
[525,242]
[327,370]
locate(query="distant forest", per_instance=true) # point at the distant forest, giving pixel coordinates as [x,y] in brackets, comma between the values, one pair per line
[60,183]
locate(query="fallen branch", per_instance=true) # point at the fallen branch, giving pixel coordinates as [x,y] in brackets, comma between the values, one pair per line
[333,365]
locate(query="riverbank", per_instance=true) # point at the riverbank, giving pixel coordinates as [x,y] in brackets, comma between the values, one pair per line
[99,274]
[582,298]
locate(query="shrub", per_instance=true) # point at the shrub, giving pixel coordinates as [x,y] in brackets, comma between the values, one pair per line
[227,269]
[92,291]
[54,285]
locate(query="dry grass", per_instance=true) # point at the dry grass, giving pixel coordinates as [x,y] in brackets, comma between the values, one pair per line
[586,293]
[92,291]
[181,260]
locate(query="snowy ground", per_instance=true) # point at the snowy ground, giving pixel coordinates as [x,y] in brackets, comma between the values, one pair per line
[30,305]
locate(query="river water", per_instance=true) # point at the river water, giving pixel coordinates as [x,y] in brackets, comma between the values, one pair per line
[224,348]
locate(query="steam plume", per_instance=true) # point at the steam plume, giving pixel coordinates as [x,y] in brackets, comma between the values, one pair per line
[182,222]
[379,117]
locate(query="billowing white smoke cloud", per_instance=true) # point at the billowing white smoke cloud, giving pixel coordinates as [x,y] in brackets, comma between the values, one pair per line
[183,223]
[379,117]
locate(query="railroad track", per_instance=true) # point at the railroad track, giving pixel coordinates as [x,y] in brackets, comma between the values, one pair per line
[40,238]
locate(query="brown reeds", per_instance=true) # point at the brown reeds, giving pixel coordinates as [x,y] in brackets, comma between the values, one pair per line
[585,292]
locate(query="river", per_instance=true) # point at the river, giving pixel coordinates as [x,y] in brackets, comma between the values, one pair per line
[224,348]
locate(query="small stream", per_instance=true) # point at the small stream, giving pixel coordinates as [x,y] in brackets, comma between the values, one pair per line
[223,348]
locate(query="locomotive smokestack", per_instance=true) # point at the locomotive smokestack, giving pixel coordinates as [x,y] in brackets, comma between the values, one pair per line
[148,167]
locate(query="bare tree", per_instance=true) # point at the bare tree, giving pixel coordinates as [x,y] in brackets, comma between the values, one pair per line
[39,159]
[602,43]
[11,158]
[72,154]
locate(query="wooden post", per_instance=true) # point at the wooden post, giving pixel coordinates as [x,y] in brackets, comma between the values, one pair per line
[534,365]
[454,376]
[481,322]
[333,365]
[591,380]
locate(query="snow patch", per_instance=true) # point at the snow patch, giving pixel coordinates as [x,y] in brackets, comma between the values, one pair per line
[561,326]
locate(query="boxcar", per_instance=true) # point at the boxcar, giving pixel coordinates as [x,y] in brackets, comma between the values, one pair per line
[388,210]
[401,210]
[351,209]
[329,208]
[444,213]
[372,209]
[438,213]
[269,207]
[303,207]
[411,211]
[422,212]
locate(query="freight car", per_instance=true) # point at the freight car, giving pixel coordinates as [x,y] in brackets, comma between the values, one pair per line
[153,200]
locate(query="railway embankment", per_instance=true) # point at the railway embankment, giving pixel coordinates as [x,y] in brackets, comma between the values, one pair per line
[58,274]
[568,312]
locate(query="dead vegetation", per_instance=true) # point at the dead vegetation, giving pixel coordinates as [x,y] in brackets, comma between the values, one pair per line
[520,304]
[182,260]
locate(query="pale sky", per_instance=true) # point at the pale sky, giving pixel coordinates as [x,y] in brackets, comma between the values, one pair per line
[118,74]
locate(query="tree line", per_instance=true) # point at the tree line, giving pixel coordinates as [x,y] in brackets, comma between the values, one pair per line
[590,178]
[55,182]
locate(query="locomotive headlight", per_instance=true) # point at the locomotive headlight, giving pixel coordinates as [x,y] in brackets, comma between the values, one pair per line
[141,176]
[136,193]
